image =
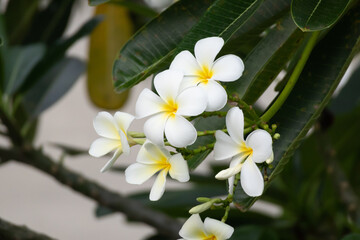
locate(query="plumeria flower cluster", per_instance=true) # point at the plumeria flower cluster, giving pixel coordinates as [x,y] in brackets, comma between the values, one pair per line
[188,88]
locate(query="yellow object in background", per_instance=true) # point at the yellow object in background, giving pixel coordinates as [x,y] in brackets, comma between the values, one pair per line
[105,42]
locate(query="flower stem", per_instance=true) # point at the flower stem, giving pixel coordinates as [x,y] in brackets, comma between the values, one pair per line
[209,132]
[244,106]
[230,198]
[292,80]
[136,134]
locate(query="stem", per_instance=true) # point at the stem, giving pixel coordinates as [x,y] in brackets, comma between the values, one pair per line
[136,134]
[11,231]
[244,106]
[230,198]
[293,79]
[209,132]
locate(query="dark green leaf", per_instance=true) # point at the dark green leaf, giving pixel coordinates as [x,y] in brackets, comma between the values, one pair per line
[352,236]
[322,73]
[349,96]
[152,45]
[315,15]
[267,59]
[50,22]
[19,16]
[53,85]
[19,61]
[201,124]
[252,232]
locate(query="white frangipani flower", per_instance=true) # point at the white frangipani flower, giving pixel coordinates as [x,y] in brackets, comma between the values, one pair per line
[152,159]
[113,132]
[204,72]
[167,111]
[211,229]
[245,154]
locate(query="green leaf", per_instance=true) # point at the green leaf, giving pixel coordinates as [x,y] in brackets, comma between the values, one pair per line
[316,15]
[53,85]
[19,63]
[267,59]
[352,236]
[152,45]
[19,16]
[349,96]
[322,73]
[252,232]
[137,61]
[129,4]
[57,51]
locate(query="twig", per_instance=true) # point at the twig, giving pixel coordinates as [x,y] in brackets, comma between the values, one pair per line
[131,208]
[14,232]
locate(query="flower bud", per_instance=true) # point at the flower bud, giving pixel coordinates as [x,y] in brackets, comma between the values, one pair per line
[201,208]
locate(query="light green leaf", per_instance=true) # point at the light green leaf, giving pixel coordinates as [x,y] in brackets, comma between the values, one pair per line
[53,85]
[18,63]
[315,15]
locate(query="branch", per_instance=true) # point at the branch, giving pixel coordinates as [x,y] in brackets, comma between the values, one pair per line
[131,208]
[15,232]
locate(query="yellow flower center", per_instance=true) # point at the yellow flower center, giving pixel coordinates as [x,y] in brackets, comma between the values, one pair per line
[212,237]
[170,107]
[205,74]
[245,149]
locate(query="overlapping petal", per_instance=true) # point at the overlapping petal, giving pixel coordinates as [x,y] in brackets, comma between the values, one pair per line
[251,179]
[216,96]
[105,125]
[112,160]
[185,62]
[235,124]
[123,120]
[154,128]
[167,84]
[217,228]
[228,68]
[191,102]
[103,146]
[193,228]
[206,50]
[179,131]
[138,173]
[148,103]
[158,188]
[179,169]
[224,147]
[261,143]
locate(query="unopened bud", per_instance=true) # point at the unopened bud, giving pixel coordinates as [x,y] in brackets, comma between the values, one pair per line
[201,208]
[203,199]
[273,127]
[276,136]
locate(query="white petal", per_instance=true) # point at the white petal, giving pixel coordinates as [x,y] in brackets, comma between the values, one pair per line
[234,162]
[105,125]
[148,104]
[261,143]
[206,50]
[167,84]
[138,173]
[191,102]
[189,82]
[179,169]
[251,179]
[124,143]
[219,229]
[193,228]
[158,153]
[103,146]
[111,162]
[179,131]
[235,124]
[186,63]
[216,95]
[229,172]
[158,188]
[227,68]
[123,120]
[224,147]
[154,128]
